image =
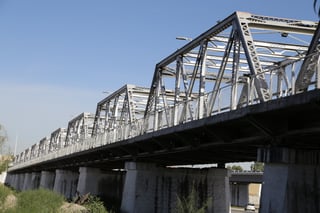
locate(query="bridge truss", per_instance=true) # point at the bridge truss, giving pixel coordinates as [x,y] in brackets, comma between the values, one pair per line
[244,60]
[123,108]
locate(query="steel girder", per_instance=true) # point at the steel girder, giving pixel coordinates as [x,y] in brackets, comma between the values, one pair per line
[122,107]
[242,60]
[79,128]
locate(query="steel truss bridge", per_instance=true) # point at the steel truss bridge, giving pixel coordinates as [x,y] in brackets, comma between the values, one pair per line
[249,81]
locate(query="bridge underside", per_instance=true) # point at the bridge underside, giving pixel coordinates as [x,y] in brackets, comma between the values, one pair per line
[233,136]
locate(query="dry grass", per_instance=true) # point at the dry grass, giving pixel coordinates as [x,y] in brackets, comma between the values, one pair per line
[10,202]
[72,208]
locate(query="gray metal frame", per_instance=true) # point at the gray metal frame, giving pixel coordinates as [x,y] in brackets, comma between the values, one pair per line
[57,139]
[122,107]
[79,128]
[245,57]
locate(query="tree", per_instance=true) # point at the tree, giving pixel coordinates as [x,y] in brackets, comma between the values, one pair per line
[236,168]
[4,160]
[257,167]
[3,137]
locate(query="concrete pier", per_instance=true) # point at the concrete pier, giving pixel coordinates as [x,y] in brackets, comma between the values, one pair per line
[27,182]
[31,181]
[291,182]
[47,180]
[88,180]
[19,181]
[151,189]
[108,185]
[35,180]
[139,188]
[66,182]
[239,194]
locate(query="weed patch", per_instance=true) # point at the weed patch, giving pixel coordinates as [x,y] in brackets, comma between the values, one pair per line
[95,205]
[191,203]
[42,200]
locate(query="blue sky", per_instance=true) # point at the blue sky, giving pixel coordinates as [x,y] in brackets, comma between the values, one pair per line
[58,56]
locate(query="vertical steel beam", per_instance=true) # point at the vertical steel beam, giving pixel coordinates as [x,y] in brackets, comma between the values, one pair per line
[131,108]
[202,83]
[157,101]
[179,70]
[235,70]
[165,103]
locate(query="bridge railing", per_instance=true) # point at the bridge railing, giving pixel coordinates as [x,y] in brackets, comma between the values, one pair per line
[281,82]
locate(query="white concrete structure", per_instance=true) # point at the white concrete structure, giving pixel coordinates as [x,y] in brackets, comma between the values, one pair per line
[3,176]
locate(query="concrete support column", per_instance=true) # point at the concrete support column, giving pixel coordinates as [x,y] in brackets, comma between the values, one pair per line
[27,182]
[291,181]
[108,185]
[88,180]
[12,180]
[35,180]
[20,181]
[139,188]
[219,188]
[66,183]
[31,181]
[47,180]
[151,189]
[239,194]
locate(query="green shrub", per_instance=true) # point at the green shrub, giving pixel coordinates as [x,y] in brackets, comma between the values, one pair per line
[4,165]
[42,201]
[95,205]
